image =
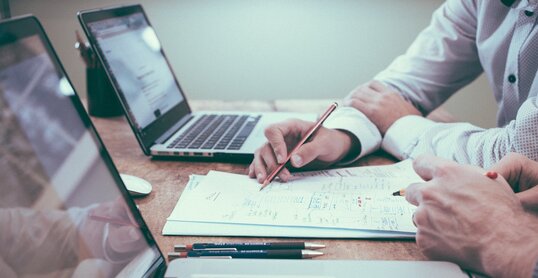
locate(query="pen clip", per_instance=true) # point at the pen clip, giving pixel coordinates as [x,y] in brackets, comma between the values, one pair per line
[215,249]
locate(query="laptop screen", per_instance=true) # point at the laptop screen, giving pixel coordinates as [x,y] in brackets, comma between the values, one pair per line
[137,67]
[133,55]
[62,212]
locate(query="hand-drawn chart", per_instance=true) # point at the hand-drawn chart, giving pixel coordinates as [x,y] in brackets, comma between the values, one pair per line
[331,202]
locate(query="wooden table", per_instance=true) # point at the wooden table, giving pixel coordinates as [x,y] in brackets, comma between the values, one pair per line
[170,177]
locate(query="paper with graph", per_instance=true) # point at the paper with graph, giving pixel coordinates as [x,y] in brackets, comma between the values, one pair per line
[360,201]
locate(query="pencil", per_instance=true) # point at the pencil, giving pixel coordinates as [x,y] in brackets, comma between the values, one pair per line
[308,135]
[490,174]
[400,192]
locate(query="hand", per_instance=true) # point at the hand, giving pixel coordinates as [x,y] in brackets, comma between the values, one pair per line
[522,174]
[112,232]
[380,104]
[470,219]
[326,147]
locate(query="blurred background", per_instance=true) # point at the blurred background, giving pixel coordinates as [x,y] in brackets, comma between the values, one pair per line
[269,49]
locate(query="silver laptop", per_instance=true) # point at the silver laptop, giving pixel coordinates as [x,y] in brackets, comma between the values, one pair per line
[154,103]
[64,210]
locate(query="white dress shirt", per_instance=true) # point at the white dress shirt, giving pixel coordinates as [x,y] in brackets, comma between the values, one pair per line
[464,39]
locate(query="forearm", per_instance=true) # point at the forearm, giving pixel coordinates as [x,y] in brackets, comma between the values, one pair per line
[411,136]
[515,250]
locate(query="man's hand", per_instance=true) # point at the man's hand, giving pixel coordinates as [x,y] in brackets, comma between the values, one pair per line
[123,237]
[470,219]
[522,174]
[326,147]
[380,104]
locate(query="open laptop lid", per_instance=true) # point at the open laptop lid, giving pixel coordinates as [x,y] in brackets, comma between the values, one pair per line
[64,210]
[131,53]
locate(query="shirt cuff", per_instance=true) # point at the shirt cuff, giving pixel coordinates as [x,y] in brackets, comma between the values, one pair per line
[402,136]
[357,124]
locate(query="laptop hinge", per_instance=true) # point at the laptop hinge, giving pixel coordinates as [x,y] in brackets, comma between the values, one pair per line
[171,131]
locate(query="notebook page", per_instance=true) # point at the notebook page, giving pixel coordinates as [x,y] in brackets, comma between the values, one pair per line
[328,202]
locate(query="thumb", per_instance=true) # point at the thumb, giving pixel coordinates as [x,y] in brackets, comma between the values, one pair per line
[306,154]
[529,198]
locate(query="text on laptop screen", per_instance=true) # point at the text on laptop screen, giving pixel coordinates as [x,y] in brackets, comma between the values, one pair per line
[61,213]
[134,58]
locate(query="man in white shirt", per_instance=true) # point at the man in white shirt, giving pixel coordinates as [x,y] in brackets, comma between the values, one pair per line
[465,38]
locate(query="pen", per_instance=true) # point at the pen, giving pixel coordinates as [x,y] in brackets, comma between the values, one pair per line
[490,174]
[248,246]
[309,134]
[248,254]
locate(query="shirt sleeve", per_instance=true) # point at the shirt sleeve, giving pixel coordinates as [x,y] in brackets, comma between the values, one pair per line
[357,124]
[37,234]
[411,136]
[441,60]
[535,272]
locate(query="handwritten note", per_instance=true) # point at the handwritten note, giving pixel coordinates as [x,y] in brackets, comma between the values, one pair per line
[346,202]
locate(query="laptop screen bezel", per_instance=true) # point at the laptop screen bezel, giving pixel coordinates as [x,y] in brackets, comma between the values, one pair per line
[149,134]
[17,28]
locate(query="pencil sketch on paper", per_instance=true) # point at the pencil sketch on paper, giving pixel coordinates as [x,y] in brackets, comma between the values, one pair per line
[310,201]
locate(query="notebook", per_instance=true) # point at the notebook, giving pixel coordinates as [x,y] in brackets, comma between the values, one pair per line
[64,210]
[153,100]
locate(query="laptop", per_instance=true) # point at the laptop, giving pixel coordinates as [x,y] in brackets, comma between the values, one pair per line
[153,101]
[65,211]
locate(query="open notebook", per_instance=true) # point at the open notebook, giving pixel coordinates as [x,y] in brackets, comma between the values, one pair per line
[349,202]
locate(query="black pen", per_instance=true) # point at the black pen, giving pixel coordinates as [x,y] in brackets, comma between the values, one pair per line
[248,246]
[248,254]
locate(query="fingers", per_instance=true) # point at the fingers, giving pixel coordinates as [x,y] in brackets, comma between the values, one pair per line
[377,86]
[264,163]
[327,145]
[413,193]
[305,154]
[529,198]
[510,167]
[429,166]
[274,152]
[363,93]
[357,104]
[518,170]
[258,167]
[276,136]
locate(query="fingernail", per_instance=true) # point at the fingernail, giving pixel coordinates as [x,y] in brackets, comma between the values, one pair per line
[279,158]
[297,160]
[260,176]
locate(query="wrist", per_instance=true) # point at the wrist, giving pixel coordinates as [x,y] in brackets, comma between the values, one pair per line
[516,251]
[351,146]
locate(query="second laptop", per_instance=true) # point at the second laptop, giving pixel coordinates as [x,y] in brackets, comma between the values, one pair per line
[153,101]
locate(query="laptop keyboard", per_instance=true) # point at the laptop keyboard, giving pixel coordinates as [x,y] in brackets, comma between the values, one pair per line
[219,132]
